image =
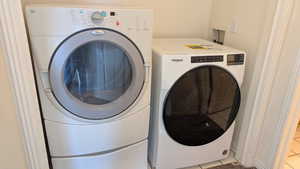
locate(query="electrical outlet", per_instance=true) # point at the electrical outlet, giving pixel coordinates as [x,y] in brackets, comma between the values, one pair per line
[233,27]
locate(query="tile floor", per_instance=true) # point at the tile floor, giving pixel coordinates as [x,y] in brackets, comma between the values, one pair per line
[293,159]
[228,160]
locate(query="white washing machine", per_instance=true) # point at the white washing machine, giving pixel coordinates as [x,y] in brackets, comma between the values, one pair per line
[93,69]
[195,100]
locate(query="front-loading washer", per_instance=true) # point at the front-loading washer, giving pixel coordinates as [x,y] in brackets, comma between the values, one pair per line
[93,71]
[195,100]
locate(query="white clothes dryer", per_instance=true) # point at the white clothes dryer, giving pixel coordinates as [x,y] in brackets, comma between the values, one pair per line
[93,70]
[195,100]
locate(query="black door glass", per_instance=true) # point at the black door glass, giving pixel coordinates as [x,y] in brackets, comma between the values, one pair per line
[201,106]
[98,72]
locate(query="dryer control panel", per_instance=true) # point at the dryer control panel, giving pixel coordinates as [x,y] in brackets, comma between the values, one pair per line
[117,19]
[89,17]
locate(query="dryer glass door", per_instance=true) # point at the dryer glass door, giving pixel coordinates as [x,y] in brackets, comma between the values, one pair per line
[201,106]
[97,74]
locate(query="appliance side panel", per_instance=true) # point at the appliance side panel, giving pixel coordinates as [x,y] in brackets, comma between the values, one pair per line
[154,116]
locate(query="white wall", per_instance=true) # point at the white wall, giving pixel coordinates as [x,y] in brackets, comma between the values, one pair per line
[173,18]
[250,19]
[12,154]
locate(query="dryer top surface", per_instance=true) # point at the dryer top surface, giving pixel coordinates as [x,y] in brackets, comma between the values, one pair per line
[85,6]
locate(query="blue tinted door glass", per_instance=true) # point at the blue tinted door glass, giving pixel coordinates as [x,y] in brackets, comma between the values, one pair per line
[98,72]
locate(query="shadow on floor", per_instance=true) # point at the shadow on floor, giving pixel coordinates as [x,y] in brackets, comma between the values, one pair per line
[231,166]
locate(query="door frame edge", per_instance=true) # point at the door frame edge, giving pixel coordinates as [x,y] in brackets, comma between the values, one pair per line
[273,38]
[21,77]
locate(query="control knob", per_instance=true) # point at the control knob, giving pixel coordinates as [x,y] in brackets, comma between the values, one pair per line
[98,17]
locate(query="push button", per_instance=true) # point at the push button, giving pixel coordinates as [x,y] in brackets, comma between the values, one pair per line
[112,13]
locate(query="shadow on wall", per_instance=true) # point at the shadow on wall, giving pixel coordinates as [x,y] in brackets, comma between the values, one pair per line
[172,18]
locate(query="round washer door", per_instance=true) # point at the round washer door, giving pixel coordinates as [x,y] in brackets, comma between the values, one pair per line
[201,106]
[96,73]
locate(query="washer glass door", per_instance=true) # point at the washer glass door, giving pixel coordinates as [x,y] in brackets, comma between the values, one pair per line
[97,74]
[201,106]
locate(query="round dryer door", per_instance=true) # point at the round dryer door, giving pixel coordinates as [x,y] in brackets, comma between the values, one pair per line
[201,106]
[96,73]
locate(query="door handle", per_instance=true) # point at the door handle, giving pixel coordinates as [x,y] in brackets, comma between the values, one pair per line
[98,32]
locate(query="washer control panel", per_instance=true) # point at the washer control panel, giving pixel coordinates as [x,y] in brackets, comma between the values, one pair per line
[205,59]
[235,59]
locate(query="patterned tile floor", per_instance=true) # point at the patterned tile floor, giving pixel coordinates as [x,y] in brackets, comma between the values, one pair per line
[293,159]
[230,159]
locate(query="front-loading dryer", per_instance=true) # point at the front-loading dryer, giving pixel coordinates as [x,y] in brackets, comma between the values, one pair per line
[195,100]
[93,70]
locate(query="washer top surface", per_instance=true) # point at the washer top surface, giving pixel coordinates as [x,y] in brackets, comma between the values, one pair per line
[190,47]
